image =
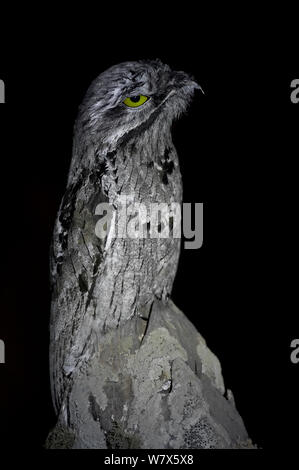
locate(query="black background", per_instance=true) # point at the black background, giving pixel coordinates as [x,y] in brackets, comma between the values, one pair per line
[237,148]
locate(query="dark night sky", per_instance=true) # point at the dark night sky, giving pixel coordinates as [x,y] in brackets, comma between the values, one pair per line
[237,154]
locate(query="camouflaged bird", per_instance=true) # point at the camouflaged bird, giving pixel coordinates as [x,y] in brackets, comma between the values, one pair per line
[122,146]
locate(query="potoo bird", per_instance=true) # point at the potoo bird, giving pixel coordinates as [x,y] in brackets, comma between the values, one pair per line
[122,147]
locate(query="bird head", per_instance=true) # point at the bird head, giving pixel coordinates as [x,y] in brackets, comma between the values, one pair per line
[129,97]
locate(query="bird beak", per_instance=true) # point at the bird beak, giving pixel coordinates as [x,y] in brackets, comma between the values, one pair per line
[183,80]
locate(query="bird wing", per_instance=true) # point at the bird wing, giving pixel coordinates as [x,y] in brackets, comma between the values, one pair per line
[76,258]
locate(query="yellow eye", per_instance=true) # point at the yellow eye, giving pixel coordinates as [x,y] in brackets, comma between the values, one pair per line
[135,101]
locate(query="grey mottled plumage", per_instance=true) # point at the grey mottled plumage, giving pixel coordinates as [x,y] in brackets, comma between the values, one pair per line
[117,151]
